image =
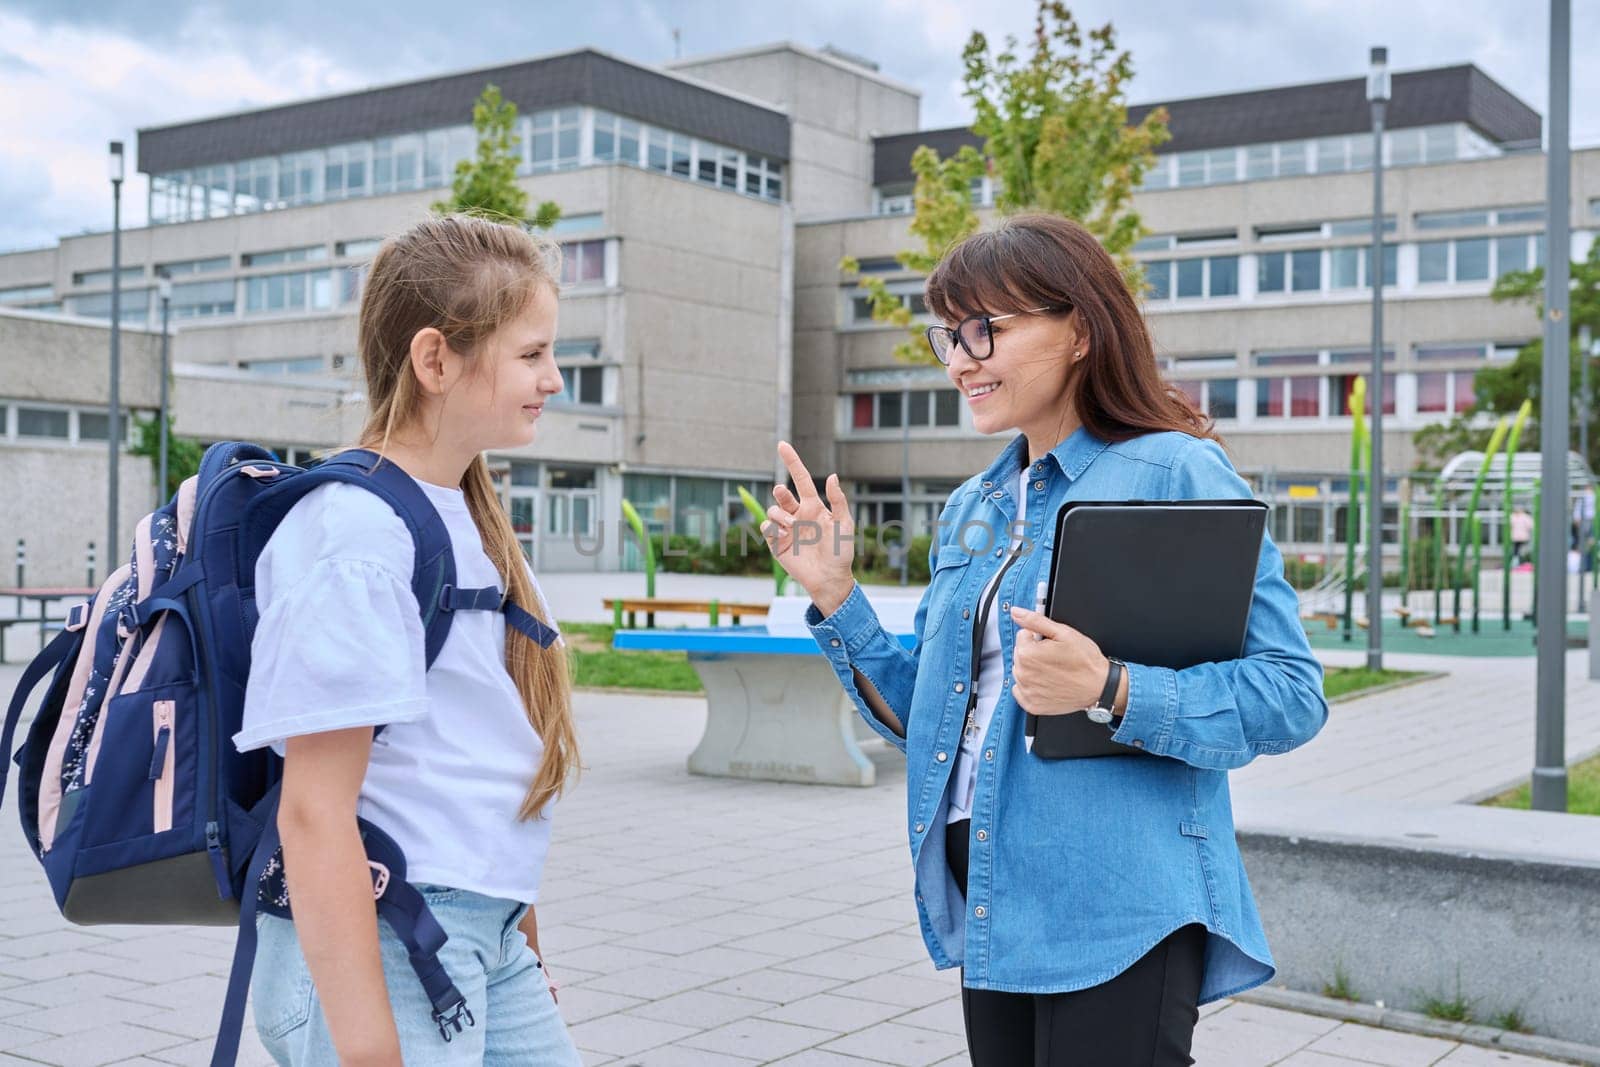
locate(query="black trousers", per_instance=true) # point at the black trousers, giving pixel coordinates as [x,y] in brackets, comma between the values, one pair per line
[1144,1017]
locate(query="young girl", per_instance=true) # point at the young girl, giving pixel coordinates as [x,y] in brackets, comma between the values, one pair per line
[457,334]
[1092,904]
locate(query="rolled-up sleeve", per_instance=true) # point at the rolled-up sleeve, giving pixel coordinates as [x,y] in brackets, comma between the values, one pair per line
[1219,716]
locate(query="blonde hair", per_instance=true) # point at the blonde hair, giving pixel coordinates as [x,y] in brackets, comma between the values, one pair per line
[466,277]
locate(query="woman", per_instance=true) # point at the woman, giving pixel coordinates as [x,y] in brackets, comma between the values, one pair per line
[1092,904]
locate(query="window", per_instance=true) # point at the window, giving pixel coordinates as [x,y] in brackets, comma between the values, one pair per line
[305,291]
[134,308]
[42,422]
[1358,227]
[1341,387]
[1450,220]
[1218,398]
[255,184]
[1258,162]
[1292,158]
[300,177]
[1445,392]
[98,278]
[193,300]
[869,265]
[1351,267]
[21,294]
[1362,356]
[397,163]
[583,385]
[1158,276]
[94,426]
[554,143]
[297,365]
[1472,260]
[195,266]
[1299,271]
[1439,353]
[1405,147]
[583,262]
[913,298]
[1296,398]
[579,223]
[345,173]
[1212,276]
[885,411]
[361,249]
[284,255]
[1433,261]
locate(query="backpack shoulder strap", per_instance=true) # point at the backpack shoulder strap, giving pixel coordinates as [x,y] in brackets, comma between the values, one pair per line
[434,568]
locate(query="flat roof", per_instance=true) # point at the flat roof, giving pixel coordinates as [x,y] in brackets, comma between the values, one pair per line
[1460,93]
[583,77]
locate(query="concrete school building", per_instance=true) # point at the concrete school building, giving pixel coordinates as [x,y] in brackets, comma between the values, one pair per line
[707,204]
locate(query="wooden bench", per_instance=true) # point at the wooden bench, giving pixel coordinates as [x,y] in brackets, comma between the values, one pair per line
[712,609]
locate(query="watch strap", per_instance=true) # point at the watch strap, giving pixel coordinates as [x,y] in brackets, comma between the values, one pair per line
[1108,696]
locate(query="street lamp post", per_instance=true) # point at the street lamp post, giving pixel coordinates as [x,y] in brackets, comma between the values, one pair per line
[1377,96]
[164,287]
[113,438]
[1555,388]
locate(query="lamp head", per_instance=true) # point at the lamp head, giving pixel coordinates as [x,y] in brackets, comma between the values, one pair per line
[1378,76]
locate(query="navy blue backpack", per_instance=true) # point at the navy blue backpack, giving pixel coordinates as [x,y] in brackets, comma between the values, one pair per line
[131,793]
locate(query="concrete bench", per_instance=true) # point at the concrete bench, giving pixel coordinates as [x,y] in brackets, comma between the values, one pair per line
[774,708]
[712,609]
[1407,901]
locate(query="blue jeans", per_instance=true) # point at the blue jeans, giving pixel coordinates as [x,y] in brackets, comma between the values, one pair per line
[488,958]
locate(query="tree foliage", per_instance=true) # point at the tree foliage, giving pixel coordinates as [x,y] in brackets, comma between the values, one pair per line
[486,185]
[1500,390]
[183,454]
[1056,138]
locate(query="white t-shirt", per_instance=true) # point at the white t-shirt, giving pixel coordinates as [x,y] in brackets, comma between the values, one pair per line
[340,644]
[991,676]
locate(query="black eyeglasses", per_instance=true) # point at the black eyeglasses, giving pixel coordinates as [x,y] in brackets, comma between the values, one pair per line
[974,334]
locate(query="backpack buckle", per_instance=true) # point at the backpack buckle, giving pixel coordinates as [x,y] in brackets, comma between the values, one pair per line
[77,617]
[380,878]
[452,1018]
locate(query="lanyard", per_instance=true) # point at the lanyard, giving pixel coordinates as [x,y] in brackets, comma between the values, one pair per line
[981,623]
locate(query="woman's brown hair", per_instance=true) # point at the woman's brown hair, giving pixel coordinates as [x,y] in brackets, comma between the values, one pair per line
[1033,261]
[466,277]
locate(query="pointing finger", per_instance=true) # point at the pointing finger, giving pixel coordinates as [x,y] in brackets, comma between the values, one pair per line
[797,470]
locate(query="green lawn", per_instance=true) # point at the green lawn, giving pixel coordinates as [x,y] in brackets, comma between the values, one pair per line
[1583,791]
[602,667]
[1342,681]
[599,666]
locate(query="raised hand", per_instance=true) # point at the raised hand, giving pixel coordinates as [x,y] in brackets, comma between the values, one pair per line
[812,539]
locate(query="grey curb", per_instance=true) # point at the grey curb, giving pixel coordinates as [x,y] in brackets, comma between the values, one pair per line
[1408,1022]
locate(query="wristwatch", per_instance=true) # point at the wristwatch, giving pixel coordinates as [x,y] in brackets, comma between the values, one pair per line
[1101,710]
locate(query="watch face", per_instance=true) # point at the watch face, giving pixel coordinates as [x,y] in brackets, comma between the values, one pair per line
[1100,715]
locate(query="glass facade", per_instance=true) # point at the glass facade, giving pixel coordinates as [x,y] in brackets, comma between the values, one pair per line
[550,140]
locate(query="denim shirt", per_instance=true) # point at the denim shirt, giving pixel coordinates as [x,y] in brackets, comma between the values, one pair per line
[1080,867]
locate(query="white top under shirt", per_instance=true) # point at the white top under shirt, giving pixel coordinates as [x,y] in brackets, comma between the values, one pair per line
[991,676]
[340,644]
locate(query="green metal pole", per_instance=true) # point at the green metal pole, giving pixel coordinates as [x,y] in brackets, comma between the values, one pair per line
[1352,524]
[1438,552]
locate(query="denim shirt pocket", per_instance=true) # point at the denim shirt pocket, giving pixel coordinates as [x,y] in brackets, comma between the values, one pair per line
[949,574]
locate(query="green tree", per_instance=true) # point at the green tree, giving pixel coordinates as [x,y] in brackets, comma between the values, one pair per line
[183,454]
[1056,138]
[1501,390]
[487,184]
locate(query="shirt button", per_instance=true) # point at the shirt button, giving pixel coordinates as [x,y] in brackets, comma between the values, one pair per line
[998,493]
[966,613]
[988,754]
[961,687]
[834,642]
[1138,743]
[1038,485]
[1005,606]
[980,911]
[983,835]
[988,485]
[942,756]
[920,828]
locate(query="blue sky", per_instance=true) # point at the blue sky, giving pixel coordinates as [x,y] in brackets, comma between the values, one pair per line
[75,74]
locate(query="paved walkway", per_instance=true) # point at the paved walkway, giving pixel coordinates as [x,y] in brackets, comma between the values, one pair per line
[691,921]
